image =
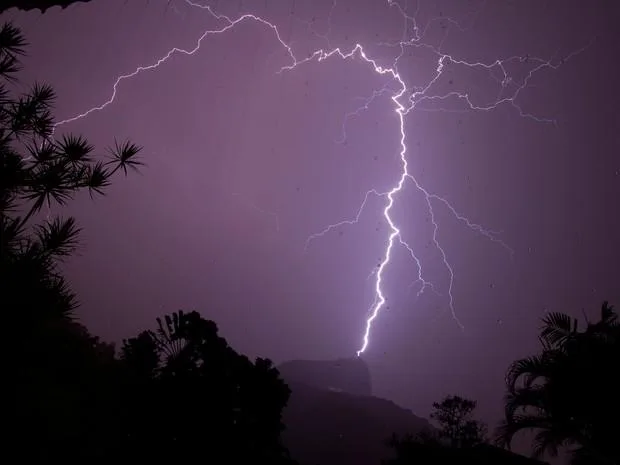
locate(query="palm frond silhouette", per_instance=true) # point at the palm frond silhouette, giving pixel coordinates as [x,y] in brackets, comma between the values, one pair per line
[568,394]
[37,170]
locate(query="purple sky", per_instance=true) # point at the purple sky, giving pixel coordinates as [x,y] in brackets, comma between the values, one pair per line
[244,164]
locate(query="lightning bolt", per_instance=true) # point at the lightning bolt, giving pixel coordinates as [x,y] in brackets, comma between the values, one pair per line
[405,100]
[367,102]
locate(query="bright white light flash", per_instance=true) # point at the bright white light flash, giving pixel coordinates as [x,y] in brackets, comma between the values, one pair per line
[404,100]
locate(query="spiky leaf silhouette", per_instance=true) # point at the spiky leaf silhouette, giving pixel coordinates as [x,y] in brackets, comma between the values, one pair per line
[39,168]
[169,335]
[97,178]
[58,237]
[123,156]
[12,44]
[76,149]
[558,328]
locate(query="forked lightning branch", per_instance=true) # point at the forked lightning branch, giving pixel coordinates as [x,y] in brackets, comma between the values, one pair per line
[405,100]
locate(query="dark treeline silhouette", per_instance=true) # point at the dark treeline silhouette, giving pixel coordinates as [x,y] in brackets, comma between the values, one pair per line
[211,401]
[179,392]
[41,5]
[458,439]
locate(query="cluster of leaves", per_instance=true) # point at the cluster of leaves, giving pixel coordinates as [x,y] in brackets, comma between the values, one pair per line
[42,5]
[216,401]
[568,393]
[175,394]
[57,369]
[37,170]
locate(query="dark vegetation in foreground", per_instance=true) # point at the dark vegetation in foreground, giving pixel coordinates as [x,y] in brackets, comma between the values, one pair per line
[41,5]
[180,392]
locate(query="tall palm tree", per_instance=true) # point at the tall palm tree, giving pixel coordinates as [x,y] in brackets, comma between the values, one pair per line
[568,393]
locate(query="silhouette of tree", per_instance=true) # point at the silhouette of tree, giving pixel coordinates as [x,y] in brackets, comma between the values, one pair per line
[38,170]
[56,366]
[457,431]
[214,402]
[459,440]
[568,393]
[454,415]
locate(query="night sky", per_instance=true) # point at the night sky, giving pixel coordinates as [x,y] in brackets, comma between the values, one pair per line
[245,163]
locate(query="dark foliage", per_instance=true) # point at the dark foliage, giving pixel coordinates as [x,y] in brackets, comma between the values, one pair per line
[459,440]
[40,170]
[42,5]
[188,392]
[568,394]
[177,393]
[457,431]
[457,427]
[58,370]
[425,450]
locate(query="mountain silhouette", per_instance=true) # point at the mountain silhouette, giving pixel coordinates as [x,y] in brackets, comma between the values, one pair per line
[332,418]
[349,375]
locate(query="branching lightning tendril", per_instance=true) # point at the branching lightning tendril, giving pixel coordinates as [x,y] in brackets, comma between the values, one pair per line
[405,100]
